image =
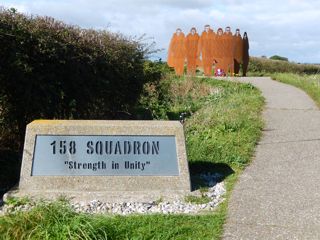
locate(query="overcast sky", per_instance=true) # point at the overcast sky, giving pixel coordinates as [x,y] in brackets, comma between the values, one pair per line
[288,28]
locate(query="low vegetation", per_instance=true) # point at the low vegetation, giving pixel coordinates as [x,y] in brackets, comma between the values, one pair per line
[58,221]
[222,127]
[266,67]
[222,130]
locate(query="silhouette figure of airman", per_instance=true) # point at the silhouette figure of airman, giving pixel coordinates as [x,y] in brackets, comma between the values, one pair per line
[238,51]
[177,52]
[205,49]
[227,46]
[191,45]
[245,57]
[219,53]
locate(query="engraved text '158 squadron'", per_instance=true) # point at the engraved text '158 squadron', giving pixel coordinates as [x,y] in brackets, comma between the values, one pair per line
[108,147]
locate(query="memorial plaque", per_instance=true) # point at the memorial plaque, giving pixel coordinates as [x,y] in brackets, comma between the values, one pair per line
[57,155]
[104,160]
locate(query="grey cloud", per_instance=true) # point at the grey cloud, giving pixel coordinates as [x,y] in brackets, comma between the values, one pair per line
[287,28]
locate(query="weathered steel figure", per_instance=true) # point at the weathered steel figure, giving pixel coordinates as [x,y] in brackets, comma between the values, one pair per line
[191,45]
[177,52]
[245,58]
[219,50]
[228,51]
[205,48]
[238,51]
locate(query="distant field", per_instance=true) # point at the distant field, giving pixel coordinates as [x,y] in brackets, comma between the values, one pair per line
[265,67]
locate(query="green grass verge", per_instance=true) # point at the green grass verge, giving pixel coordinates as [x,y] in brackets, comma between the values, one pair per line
[220,136]
[226,129]
[57,221]
[308,83]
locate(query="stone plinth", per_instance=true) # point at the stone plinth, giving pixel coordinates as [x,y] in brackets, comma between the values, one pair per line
[104,160]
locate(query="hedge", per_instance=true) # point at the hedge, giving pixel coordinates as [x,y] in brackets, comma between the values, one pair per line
[51,70]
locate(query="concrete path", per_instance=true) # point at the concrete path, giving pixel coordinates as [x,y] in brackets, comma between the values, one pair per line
[278,195]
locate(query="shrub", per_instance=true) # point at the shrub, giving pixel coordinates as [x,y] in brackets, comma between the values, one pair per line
[171,96]
[154,100]
[56,71]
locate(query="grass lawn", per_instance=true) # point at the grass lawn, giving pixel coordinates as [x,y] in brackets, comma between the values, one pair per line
[221,133]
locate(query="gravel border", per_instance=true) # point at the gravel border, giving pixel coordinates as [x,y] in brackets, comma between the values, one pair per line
[212,197]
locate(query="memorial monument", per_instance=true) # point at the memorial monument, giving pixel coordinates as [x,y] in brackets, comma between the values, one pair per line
[105,160]
[221,51]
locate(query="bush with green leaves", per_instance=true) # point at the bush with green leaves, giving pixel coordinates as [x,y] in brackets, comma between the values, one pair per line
[50,70]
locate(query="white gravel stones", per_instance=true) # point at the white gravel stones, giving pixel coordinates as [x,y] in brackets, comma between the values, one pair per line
[214,195]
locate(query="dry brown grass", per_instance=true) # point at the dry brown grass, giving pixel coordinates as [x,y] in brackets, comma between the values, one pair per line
[191,87]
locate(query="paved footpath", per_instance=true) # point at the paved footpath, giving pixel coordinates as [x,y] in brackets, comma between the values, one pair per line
[278,195]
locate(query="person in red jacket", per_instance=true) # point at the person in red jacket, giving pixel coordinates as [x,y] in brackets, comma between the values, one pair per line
[177,52]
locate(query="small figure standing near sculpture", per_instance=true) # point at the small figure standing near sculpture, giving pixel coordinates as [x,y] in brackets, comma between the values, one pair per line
[177,52]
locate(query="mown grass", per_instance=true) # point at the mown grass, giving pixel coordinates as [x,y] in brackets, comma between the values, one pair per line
[308,83]
[221,136]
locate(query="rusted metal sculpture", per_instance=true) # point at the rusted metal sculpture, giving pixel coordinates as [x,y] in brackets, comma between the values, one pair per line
[192,54]
[177,52]
[226,51]
[238,51]
[245,58]
[205,48]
